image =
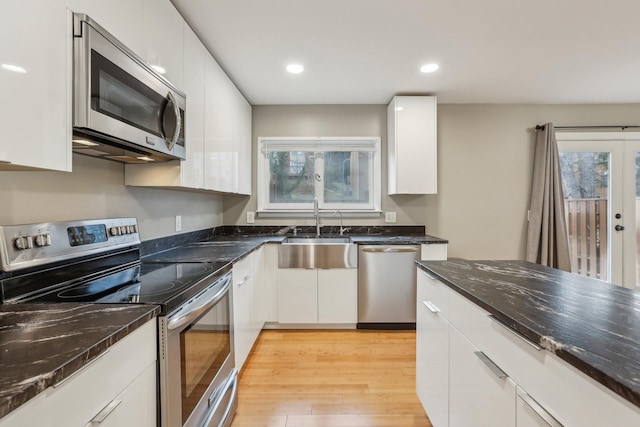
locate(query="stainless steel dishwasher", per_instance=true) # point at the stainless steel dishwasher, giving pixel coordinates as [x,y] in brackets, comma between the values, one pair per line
[387,286]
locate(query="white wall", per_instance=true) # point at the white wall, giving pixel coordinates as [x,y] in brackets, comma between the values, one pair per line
[95,189]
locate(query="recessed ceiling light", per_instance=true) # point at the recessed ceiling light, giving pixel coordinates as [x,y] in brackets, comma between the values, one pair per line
[429,68]
[159,69]
[13,68]
[295,68]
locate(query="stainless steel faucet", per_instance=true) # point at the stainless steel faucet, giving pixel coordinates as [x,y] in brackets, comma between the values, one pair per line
[316,213]
[342,229]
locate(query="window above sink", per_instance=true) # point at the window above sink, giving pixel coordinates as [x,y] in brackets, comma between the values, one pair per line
[342,173]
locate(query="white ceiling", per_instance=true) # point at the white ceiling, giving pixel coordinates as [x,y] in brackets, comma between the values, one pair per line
[367,51]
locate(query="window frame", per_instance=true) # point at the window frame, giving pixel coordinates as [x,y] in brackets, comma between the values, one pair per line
[369,144]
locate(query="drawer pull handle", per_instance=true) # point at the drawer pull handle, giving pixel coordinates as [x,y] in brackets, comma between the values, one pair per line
[428,275]
[491,365]
[514,332]
[431,306]
[244,280]
[106,411]
[538,409]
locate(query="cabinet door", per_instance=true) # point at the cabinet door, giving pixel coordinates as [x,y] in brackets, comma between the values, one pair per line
[35,106]
[269,300]
[135,406]
[412,147]
[338,295]
[242,308]
[432,351]
[163,39]
[194,83]
[121,18]
[297,295]
[477,388]
[259,293]
[242,144]
[218,130]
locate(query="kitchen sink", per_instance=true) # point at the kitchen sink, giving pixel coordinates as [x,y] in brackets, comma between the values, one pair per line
[318,252]
[316,240]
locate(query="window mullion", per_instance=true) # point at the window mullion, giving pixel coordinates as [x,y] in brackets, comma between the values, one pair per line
[319,183]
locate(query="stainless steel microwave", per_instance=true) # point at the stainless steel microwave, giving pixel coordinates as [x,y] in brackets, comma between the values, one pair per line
[123,110]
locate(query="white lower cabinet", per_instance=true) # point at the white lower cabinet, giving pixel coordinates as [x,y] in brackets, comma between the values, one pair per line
[317,296]
[338,295]
[540,390]
[432,350]
[247,319]
[118,387]
[297,295]
[269,298]
[480,393]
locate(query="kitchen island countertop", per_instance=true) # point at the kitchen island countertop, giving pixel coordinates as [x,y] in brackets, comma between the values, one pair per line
[42,344]
[592,325]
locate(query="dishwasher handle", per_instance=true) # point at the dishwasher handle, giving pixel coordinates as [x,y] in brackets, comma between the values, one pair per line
[391,249]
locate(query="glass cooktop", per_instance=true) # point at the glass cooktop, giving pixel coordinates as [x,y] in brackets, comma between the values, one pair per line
[165,284]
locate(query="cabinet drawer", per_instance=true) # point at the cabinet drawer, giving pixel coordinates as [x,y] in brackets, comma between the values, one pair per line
[432,293]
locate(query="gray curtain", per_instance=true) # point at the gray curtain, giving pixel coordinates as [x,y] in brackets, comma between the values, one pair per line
[547,242]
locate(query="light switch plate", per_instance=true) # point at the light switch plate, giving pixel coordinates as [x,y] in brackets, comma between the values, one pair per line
[251,217]
[178,222]
[390,217]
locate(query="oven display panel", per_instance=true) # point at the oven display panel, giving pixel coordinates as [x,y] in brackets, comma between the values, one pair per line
[87,234]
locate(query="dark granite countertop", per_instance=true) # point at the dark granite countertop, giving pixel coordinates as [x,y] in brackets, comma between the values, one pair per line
[593,325]
[42,344]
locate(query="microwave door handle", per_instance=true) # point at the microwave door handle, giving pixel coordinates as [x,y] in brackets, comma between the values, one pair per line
[176,111]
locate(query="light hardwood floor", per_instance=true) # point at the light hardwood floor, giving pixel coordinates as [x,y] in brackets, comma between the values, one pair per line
[330,379]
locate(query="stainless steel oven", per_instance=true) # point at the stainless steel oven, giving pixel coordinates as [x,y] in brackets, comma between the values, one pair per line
[198,380]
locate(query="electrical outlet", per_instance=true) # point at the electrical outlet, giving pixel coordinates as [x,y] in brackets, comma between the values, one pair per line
[178,222]
[390,217]
[251,217]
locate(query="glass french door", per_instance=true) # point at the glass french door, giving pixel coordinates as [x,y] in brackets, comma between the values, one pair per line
[601,182]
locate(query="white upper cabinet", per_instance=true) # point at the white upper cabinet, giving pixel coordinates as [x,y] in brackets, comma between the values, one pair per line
[192,170]
[219,157]
[121,18]
[412,145]
[35,106]
[162,30]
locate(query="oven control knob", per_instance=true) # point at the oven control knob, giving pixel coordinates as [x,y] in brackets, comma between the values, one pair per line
[135,228]
[43,240]
[20,243]
[123,230]
[114,231]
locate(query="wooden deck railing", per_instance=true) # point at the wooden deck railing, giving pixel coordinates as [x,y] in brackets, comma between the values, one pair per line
[587,228]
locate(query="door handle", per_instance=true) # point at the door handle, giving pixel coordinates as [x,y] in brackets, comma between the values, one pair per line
[619,227]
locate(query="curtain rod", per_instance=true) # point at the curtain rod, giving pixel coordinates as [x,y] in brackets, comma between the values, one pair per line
[621,127]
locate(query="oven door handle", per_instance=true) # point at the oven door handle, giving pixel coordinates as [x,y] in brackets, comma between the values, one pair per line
[203,303]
